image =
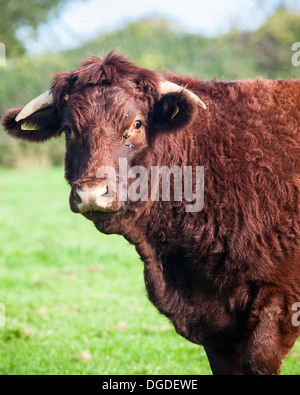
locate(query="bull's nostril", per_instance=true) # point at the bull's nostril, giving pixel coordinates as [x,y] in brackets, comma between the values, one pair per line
[77,199]
[104,190]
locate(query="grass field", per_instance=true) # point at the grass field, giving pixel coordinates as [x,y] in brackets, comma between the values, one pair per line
[75,299]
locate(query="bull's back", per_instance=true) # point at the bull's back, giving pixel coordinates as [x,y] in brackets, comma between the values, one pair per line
[255,124]
[249,143]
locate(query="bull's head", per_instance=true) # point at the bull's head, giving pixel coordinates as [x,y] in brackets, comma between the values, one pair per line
[108,109]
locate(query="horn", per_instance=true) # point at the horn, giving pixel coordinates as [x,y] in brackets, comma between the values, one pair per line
[170,87]
[42,101]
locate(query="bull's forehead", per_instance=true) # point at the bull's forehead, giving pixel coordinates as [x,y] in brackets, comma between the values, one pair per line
[105,104]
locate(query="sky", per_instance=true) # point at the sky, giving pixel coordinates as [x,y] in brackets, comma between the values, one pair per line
[81,20]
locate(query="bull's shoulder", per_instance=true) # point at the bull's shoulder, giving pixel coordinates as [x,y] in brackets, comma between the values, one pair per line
[260,91]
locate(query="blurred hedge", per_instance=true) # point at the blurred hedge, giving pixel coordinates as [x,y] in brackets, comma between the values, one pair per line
[156,44]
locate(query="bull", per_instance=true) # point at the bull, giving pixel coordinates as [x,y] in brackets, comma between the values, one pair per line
[228,274]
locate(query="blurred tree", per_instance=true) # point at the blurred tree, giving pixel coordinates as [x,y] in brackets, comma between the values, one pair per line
[153,43]
[16,14]
[266,5]
[274,39]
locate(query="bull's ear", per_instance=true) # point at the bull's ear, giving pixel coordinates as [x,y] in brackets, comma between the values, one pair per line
[174,111]
[38,127]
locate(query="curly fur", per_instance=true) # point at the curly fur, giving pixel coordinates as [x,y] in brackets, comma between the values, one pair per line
[227,277]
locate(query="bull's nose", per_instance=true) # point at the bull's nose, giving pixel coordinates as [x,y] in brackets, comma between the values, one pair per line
[93,196]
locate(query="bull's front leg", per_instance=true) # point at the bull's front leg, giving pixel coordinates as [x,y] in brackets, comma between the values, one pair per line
[224,361]
[272,338]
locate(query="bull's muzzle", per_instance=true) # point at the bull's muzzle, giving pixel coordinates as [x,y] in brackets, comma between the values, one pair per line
[94,196]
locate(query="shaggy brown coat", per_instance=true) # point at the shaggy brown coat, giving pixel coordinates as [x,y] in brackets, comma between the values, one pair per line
[228,276]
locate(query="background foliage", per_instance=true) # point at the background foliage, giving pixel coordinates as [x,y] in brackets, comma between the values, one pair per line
[24,14]
[154,43]
[75,299]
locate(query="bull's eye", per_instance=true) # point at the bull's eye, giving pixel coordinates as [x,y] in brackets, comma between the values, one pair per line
[137,124]
[68,130]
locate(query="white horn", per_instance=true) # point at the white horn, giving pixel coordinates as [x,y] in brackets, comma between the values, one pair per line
[42,101]
[169,87]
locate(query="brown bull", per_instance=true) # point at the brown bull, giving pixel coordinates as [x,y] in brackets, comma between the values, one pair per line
[225,272]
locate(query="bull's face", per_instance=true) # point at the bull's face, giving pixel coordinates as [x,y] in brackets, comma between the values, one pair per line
[112,113]
[112,130]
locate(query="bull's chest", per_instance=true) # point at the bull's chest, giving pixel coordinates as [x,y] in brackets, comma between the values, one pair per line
[200,312]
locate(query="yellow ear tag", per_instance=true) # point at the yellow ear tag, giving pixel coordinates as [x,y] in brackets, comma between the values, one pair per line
[176,111]
[29,126]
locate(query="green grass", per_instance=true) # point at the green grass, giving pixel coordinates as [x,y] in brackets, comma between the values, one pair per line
[68,290]
[75,299]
